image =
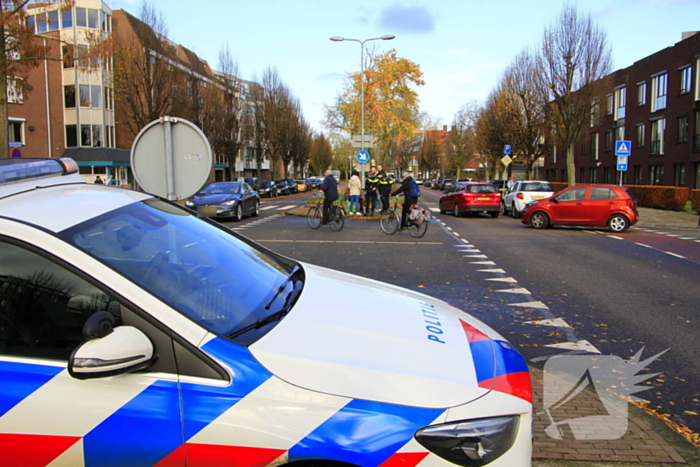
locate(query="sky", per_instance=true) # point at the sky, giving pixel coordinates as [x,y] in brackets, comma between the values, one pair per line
[461,46]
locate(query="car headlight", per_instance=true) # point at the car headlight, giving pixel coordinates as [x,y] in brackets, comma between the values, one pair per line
[189,204]
[229,202]
[470,442]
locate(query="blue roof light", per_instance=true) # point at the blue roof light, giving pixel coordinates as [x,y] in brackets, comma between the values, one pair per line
[13,170]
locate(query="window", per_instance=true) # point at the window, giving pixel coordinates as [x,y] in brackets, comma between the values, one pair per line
[52,20]
[95,96]
[620,133]
[683,129]
[659,85]
[82,51]
[608,140]
[679,174]
[105,22]
[606,175]
[686,79]
[594,147]
[697,175]
[67,19]
[640,135]
[575,194]
[609,104]
[14,90]
[696,136]
[602,193]
[71,136]
[44,305]
[110,136]
[657,136]
[81,17]
[620,100]
[69,96]
[638,175]
[84,95]
[656,175]
[68,54]
[31,24]
[641,94]
[85,135]
[595,112]
[109,98]
[582,175]
[593,175]
[41,24]
[96,136]
[15,130]
[92,18]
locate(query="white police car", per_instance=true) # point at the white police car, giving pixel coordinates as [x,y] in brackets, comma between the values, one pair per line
[134,333]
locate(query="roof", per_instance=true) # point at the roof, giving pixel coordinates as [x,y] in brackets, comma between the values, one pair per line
[98,154]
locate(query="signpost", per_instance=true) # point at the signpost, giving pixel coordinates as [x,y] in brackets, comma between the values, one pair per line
[362,157]
[358,142]
[623,150]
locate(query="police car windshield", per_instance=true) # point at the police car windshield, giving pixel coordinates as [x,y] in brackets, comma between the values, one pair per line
[203,271]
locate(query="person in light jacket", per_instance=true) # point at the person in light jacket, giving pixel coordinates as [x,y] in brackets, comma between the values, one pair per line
[355,189]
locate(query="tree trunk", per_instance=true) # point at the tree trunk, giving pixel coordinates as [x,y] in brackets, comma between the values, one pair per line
[570,166]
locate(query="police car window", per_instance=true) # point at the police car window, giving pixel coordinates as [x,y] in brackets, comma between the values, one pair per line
[43,306]
[200,270]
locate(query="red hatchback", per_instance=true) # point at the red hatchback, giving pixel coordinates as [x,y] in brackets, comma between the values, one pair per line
[587,205]
[471,197]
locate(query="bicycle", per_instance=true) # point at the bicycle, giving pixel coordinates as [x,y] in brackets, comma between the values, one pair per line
[336,218]
[416,224]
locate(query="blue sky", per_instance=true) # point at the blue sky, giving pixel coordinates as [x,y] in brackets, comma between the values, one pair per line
[462,46]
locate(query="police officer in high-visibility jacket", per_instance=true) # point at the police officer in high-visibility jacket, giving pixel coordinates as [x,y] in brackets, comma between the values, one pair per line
[384,187]
[371,191]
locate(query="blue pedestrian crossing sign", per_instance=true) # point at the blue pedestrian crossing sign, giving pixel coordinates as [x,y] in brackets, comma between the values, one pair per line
[623,148]
[362,157]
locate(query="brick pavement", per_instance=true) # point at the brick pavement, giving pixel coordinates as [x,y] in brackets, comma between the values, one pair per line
[640,444]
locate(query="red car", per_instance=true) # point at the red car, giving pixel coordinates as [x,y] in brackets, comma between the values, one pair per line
[471,197]
[587,205]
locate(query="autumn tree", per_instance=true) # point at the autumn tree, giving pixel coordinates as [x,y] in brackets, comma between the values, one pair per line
[22,49]
[391,102]
[343,153]
[429,154]
[320,154]
[574,61]
[491,133]
[460,144]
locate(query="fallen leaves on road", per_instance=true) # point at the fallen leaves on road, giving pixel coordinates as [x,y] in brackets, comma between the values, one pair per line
[683,430]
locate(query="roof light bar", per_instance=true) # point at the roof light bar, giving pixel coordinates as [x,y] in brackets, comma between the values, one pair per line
[13,170]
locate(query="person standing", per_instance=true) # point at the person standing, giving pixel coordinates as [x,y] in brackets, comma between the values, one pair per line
[355,189]
[99,181]
[408,200]
[384,187]
[371,186]
[329,187]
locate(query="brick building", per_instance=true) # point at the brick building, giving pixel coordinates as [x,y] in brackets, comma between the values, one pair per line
[655,104]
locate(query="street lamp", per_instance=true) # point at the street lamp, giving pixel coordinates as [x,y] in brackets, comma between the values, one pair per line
[386,37]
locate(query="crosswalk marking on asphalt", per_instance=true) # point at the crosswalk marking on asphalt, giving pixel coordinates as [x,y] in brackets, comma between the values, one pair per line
[268,207]
[485,263]
[475,256]
[519,290]
[498,270]
[538,305]
[583,345]
[509,280]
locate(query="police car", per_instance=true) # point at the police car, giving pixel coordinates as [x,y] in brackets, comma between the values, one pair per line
[134,333]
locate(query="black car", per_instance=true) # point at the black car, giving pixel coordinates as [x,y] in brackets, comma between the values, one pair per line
[314,183]
[292,184]
[500,185]
[283,187]
[267,188]
[254,182]
[226,199]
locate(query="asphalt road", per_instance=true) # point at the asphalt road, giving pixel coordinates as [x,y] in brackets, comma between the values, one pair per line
[612,294]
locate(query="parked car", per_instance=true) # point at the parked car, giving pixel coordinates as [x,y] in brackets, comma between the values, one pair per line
[136,333]
[284,187]
[522,192]
[226,199]
[472,198]
[292,184]
[301,184]
[500,185]
[609,206]
[446,183]
[267,188]
[252,181]
[315,183]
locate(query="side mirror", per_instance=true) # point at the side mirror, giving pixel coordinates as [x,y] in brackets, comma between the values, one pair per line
[554,199]
[124,350]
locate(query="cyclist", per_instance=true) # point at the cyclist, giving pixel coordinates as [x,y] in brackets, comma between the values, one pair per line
[329,187]
[408,200]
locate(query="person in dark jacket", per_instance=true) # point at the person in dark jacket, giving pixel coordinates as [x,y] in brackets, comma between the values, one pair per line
[408,201]
[329,187]
[384,187]
[371,187]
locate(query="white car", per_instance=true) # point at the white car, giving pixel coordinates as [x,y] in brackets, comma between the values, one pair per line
[521,193]
[133,332]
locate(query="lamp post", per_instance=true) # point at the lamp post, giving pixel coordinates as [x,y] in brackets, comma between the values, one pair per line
[386,37]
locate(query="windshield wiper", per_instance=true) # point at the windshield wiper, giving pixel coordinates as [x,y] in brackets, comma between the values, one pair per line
[283,285]
[276,316]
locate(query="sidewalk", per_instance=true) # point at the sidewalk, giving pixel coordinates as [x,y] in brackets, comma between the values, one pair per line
[667,220]
[647,442]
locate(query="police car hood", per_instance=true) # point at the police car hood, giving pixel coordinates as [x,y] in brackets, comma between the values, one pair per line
[359,338]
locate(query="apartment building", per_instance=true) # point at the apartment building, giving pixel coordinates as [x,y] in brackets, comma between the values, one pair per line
[70,108]
[655,104]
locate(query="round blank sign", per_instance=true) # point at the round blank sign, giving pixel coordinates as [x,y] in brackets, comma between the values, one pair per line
[171,158]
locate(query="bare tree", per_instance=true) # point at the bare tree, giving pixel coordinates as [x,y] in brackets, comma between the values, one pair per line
[574,60]
[460,144]
[254,125]
[276,106]
[145,81]
[429,154]
[320,154]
